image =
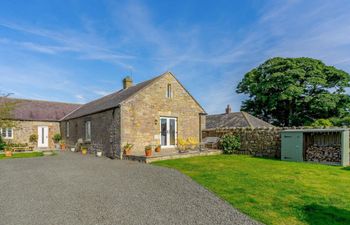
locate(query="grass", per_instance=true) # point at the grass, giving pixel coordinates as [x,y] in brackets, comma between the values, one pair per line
[273,191]
[22,155]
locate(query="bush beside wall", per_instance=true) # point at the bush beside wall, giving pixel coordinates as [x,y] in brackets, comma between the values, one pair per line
[263,142]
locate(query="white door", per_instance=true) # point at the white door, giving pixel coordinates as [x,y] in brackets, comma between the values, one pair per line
[168,132]
[43,137]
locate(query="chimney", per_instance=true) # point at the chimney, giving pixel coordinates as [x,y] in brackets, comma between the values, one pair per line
[228,109]
[127,82]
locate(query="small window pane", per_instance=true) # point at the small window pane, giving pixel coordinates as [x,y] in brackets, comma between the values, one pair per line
[3,132]
[88,130]
[67,129]
[9,132]
[168,91]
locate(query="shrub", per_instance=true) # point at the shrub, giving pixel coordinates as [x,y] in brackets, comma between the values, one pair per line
[182,143]
[345,121]
[2,144]
[33,138]
[192,142]
[229,143]
[321,123]
[56,138]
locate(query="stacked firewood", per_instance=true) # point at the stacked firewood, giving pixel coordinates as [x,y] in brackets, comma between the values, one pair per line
[323,154]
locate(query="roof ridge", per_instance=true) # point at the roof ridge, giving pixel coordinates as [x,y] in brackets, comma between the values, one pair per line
[40,100]
[220,114]
[246,117]
[124,94]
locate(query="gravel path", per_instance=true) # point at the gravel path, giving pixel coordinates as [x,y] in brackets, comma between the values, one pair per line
[71,189]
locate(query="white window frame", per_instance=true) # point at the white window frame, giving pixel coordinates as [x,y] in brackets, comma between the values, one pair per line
[88,130]
[168,131]
[7,136]
[169,93]
[67,128]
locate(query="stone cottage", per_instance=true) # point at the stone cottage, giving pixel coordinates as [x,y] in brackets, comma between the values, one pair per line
[34,117]
[154,112]
[234,120]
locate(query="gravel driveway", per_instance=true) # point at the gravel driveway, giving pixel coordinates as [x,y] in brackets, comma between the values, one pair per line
[72,189]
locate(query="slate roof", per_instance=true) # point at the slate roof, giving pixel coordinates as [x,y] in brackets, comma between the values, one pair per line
[37,110]
[235,119]
[110,101]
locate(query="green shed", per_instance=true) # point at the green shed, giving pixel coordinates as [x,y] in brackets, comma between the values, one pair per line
[330,146]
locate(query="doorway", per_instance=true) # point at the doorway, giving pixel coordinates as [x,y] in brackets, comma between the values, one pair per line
[168,131]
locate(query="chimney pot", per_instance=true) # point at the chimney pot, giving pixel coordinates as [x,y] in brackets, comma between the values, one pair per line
[127,82]
[228,109]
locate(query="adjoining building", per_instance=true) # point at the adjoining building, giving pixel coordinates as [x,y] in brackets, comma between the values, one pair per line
[234,119]
[35,117]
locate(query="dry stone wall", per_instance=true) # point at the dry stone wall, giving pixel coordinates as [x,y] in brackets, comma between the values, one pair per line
[265,142]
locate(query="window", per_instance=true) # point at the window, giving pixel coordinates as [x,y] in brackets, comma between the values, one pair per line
[67,129]
[6,133]
[88,130]
[168,91]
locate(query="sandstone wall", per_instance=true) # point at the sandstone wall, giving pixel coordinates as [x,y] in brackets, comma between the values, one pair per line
[24,129]
[105,132]
[254,141]
[141,114]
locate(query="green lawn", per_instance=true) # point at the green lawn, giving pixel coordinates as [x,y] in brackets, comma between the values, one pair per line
[273,191]
[22,155]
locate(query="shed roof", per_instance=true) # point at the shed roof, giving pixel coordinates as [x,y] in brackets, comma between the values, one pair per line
[38,110]
[235,119]
[318,130]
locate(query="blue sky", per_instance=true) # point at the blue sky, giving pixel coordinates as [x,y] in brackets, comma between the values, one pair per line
[77,51]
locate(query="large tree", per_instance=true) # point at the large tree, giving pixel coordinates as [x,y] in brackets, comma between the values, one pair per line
[295,91]
[6,107]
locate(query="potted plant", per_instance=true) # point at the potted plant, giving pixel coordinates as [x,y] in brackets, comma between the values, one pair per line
[33,139]
[98,153]
[127,148]
[56,139]
[83,150]
[148,150]
[8,151]
[62,145]
[158,148]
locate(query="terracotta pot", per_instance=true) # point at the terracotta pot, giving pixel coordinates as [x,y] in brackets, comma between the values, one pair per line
[157,149]
[127,151]
[63,146]
[148,152]
[8,153]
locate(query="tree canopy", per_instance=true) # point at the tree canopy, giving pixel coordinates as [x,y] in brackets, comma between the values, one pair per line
[295,91]
[6,108]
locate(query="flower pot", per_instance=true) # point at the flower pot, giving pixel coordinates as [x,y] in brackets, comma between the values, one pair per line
[84,151]
[72,149]
[98,154]
[63,147]
[148,152]
[127,151]
[57,146]
[8,153]
[157,149]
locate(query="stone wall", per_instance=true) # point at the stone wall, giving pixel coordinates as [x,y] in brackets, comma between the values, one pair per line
[105,132]
[141,114]
[24,129]
[264,142]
